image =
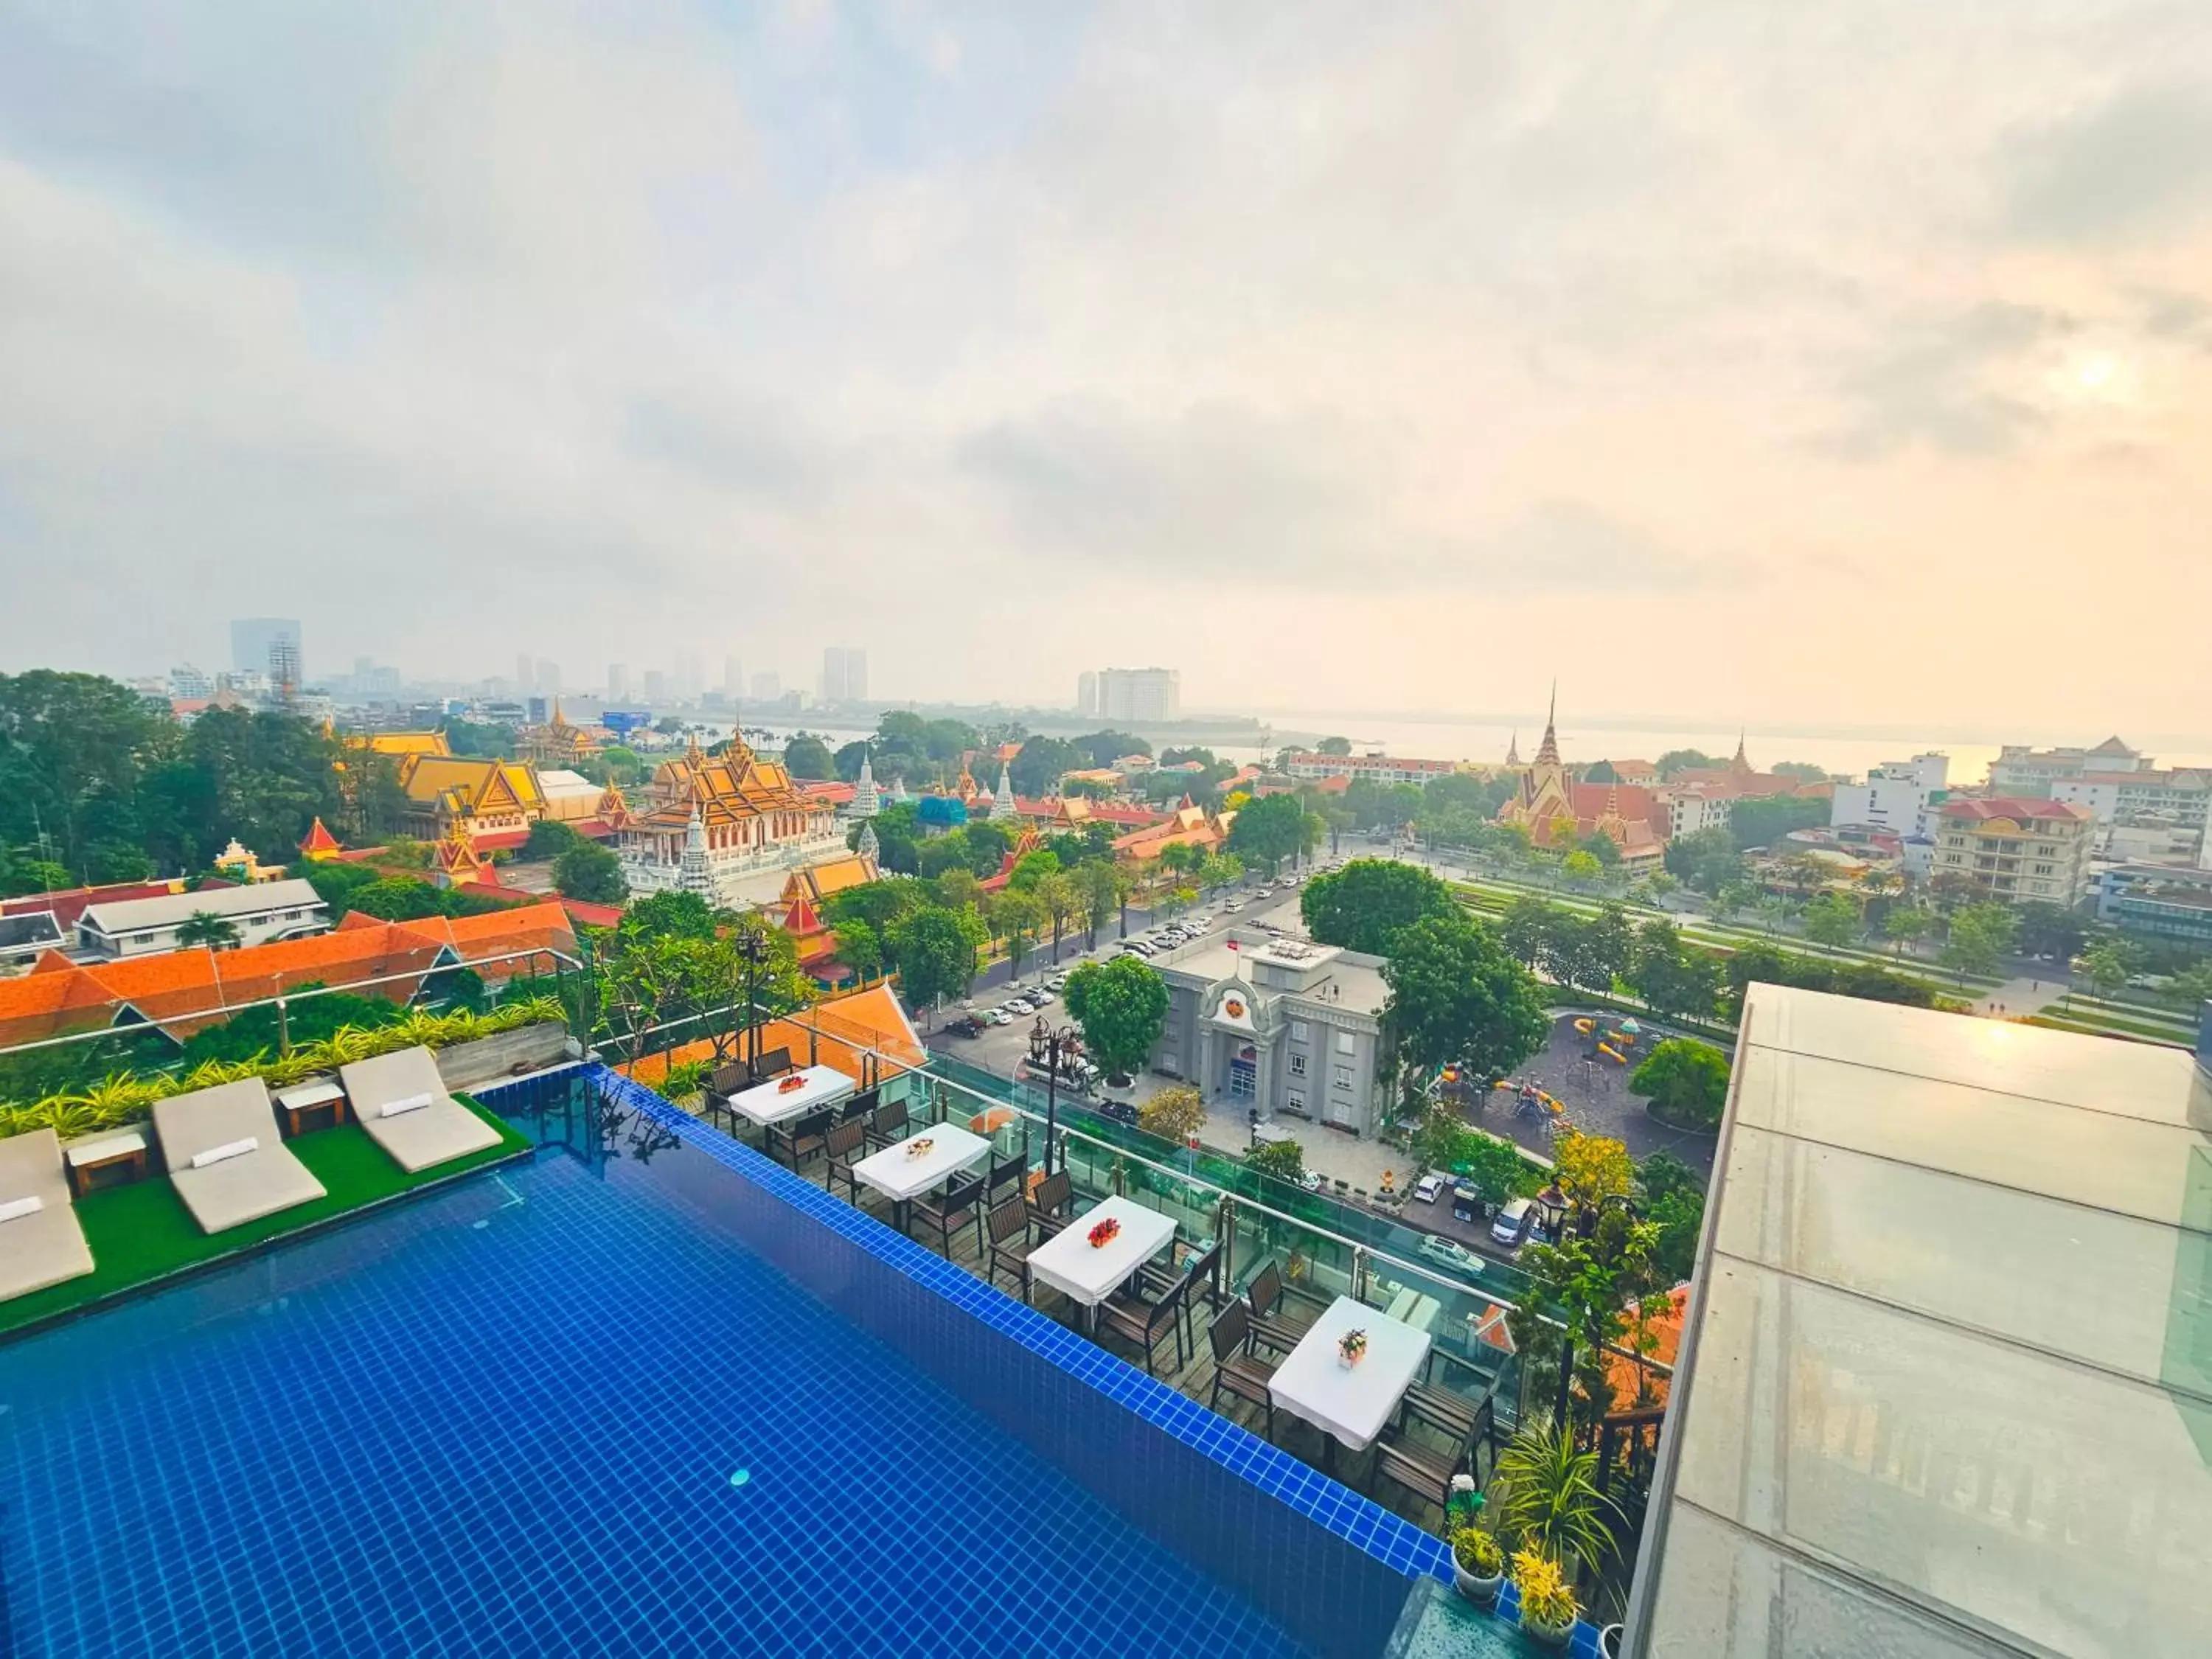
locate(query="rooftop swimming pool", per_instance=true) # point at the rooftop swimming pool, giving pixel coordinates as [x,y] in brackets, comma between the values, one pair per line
[568,1407]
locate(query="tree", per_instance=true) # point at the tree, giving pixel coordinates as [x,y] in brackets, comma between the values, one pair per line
[1591,1169]
[1674,1200]
[548,840]
[590,873]
[1906,923]
[1333,746]
[935,950]
[1367,904]
[1672,977]
[1063,901]
[672,915]
[1121,1007]
[1268,831]
[2052,931]
[2106,965]
[1103,886]
[1455,995]
[1176,1113]
[1033,867]
[1017,918]
[1580,867]
[859,947]
[1981,936]
[1804,771]
[1038,768]
[848,759]
[1286,1160]
[205,928]
[1831,919]
[1686,1082]
[1526,929]
[807,756]
[1676,761]
[1763,820]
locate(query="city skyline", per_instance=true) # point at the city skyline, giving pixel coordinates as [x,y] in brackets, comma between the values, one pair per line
[1861,409]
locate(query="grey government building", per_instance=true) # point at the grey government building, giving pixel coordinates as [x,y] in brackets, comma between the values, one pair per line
[1276,1025]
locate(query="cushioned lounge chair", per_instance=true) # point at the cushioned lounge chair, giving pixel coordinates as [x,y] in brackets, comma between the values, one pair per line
[238,1188]
[44,1246]
[420,1137]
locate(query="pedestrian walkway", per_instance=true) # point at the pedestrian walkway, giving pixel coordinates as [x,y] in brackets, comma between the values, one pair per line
[2016,998]
[1329,1152]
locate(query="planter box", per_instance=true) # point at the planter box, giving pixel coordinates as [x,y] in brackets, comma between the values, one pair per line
[509,1054]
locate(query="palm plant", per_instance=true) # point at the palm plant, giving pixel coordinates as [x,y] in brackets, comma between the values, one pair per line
[205,928]
[1551,1500]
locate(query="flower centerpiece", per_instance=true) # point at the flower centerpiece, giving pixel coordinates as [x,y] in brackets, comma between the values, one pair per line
[790,1084]
[1548,1606]
[919,1146]
[1478,1564]
[1352,1348]
[1104,1233]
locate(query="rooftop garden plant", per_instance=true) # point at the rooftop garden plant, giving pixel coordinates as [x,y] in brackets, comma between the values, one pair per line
[1547,1605]
[126,1097]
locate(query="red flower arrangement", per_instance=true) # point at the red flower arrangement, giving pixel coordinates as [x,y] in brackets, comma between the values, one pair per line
[1104,1233]
[920,1146]
[796,1080]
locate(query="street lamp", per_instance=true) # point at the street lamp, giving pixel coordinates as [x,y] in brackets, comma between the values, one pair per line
[1047,1049]
[751,948]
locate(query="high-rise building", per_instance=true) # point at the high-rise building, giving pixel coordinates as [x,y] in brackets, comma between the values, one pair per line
[251,636]
[189,682]
[1140,694]
[617,682]
[548,678]
[767,688]
[1087,692]
[656,686]
[733,677]
[2015,850]
[844,674]
[526,673]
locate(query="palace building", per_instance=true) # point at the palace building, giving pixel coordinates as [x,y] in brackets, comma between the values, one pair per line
[751,815]
[1558,813]
[556,743]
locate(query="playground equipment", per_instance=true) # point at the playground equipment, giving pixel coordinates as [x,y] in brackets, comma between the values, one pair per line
[1585,1026]
[1612,1053]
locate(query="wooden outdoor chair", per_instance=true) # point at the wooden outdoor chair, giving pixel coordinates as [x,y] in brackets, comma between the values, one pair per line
[1141,1322]
[1010,1242]
[844,1146]
[1421,1468]
[1050,1204]
[887,1124]
[1235,1368]
[775,1063]
[727,1081]
[961,1205]
[796,1142]
[1270,1324]
[1006,1181]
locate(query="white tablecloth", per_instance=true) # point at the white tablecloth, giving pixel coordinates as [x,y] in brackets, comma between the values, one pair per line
[768,1102]
[1068,1262]
[897,1173]
[1351,1402]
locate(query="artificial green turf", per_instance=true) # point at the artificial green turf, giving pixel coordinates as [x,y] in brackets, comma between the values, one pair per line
[143,1231]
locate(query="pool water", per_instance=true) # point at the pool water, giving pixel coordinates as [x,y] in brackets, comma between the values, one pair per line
[553,1410]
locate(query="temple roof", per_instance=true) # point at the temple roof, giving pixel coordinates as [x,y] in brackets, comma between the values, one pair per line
[734,787]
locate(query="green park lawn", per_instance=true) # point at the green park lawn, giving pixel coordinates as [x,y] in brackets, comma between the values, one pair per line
[142,1232]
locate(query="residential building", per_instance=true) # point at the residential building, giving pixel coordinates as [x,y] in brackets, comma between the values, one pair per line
[1386,769]
[1898,796]
[2150,843]
[251,637]
[617,682]
[1941,1389]
[844,674]
[1263,1024]
[1086,693]
[1688,808]
[1140,694]
[2140,797]
[2016,849]
[2019,770]
[25,937]
[192,683]
[260,912]
[2159,902]
[752,817]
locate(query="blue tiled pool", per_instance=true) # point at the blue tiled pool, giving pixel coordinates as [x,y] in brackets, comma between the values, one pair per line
[559,1409]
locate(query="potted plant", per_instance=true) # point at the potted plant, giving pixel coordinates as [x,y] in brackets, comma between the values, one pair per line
[1478,1565]
[1548,1606]
[1608,1642]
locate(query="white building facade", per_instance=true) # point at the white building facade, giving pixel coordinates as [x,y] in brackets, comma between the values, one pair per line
[1897,796]
[259,913]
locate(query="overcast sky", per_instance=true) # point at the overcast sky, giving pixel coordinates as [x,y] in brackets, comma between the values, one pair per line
[1729,360]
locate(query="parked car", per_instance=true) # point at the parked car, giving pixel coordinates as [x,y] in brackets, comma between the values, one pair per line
[1429,1188]
[1039,997]
[1234,905]
[966,1026]
[1139,945]
[1448,1253]
[995,1017]
[1513,1223]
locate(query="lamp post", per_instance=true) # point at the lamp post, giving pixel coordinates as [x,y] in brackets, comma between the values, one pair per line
[1047,1046]
[752,947]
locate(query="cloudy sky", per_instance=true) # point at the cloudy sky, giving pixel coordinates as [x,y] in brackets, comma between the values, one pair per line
[1728,359]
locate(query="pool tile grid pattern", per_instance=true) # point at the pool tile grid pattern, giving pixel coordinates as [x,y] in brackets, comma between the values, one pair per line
[273,1492]
[1389,1538]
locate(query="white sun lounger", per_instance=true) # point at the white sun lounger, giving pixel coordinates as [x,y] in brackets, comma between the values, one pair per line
[418,1137]
[238,1188]
[45,1246]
